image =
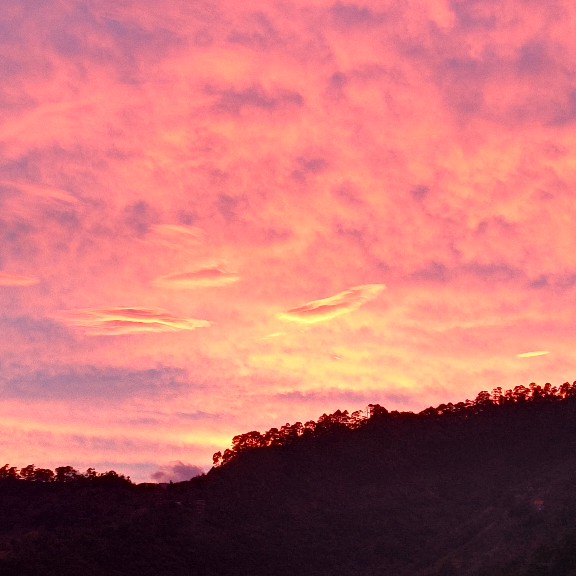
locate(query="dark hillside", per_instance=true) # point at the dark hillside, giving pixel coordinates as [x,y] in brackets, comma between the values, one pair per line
[478,488]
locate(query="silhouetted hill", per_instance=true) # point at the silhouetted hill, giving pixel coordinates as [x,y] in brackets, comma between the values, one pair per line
[480,488]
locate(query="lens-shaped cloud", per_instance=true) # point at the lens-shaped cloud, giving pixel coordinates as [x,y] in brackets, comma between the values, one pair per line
[530,354]
[41,191]
[204,277]
[328,308]
[116,321]
[16,280]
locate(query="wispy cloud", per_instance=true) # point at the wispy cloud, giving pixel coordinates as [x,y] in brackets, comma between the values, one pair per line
[204,277]
[177,236]
[328,308]
[41,191]
[273,335]
[16,280]
[116,321]
[530,354]
[72,383]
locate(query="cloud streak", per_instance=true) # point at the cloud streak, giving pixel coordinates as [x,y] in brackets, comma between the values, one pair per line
[334,306]
[177,236]
[41,191]
[203,278]
[119,321]
[7,279]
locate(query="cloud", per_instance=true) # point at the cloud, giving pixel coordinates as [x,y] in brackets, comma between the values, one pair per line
[176,235]
[530,354]
[255,97]
[116,321]
[328,308]
[202,278]
[176,471]
[16,280]
[273,335]
[81,382]
[139,217]
[200,415]
[427,143]
[303,404]
[40,191]
[348,16]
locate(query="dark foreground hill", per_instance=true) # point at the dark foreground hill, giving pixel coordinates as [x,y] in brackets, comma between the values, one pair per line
[482,488]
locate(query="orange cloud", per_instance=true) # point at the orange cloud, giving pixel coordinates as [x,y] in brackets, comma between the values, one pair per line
[117,321]
[204,277]
[328,308]
[41,191]
[16,280]
[530,354]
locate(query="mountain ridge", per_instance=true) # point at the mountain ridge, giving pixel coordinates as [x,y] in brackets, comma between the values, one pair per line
[478,488]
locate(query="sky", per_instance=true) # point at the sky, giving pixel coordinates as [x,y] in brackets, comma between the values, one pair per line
[223,216]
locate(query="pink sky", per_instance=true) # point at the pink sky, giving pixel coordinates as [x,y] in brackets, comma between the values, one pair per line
[225,216]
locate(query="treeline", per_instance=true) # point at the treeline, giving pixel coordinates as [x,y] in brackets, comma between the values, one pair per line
[61,474]
[342,420]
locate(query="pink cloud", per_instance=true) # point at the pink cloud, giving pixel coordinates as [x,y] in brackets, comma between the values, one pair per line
[117,321]
[177,236]
[40,191]
[7,279]
[333,306]
[315,145]
[205,277]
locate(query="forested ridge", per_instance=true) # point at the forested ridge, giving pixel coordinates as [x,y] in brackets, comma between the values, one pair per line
[478,488]
[343,420]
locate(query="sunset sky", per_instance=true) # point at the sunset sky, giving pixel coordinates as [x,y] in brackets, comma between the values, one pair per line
[223,216]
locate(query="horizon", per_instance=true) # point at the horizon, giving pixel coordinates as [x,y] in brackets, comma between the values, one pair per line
[176,472]
[218,218]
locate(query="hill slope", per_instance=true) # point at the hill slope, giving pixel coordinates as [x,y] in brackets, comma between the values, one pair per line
[478,488]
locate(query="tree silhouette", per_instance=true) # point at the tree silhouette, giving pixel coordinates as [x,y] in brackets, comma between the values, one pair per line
[43,475]
[7,472]
[342,420]
[66,474]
